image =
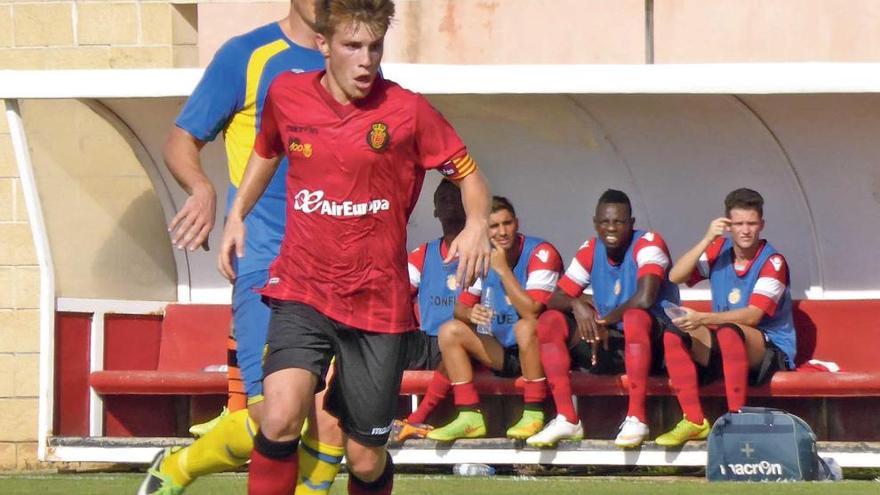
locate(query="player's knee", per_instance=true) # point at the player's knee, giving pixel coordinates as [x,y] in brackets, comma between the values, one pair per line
[367,463]
[636,316]
[526,333]
[730,331]
[551,326]
[281,423]
[451,333]
[636,324]
[673,338]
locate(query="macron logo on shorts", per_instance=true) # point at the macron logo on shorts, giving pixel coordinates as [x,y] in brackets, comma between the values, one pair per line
[380,431]
[313,202]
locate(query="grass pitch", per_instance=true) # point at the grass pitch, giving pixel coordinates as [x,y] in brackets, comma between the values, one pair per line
[107,484]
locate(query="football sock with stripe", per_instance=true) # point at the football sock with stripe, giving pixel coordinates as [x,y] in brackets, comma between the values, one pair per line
[318,465]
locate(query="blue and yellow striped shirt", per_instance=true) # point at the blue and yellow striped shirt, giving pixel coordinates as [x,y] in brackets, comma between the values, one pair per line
[229,98]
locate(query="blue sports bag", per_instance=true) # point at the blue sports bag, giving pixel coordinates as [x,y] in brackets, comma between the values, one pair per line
[762,444]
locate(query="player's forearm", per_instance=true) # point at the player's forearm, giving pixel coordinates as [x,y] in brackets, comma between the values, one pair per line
[257,175]
[684,266]
[181,154]
[462,312]
[749,316]
[475,199]
[522,302]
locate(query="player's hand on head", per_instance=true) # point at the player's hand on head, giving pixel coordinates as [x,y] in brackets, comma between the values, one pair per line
[717,227]
[472,248]
[193,223]
[231,245]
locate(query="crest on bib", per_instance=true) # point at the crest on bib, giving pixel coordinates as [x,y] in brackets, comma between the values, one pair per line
[617,287]
[451,282]
[735,296]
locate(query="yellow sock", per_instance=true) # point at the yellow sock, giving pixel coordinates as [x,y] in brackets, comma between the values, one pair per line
[318,465]
[227,446]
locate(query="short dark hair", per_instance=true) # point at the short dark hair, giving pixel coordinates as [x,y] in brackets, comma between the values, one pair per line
[501,203]
[613,196]
[446,187]
[376,15]
[744,199]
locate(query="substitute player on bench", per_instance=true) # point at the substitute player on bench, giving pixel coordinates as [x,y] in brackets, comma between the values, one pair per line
[524,273]
[435,289]
[627,271]
[229,98]
[749,335]
[359,146]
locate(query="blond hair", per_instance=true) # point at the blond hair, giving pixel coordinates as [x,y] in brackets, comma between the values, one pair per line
[376,15]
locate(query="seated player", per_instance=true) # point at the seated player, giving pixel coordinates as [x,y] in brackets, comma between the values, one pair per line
[627,271]
[435,289]
[524,273]
[749,334]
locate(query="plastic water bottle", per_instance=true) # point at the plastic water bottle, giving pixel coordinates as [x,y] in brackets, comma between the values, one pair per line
[672,310]
[486,301]
[835,472]
[473,470]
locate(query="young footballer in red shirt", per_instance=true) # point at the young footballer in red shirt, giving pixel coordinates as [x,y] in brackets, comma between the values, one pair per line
[359,147]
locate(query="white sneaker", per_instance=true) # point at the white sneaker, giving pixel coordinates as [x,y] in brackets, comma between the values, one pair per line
[632,433]
[557,429]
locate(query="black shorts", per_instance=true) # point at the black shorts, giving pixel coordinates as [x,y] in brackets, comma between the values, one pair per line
[369,366]
[511,367]
[611,361]
[774,360]
[423,352]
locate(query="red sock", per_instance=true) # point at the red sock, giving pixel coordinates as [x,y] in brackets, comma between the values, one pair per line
[683,375]
[552,333]
[437,391]
[534,392]
[381,486]
[465,395]
[273,468]
[637,358]
[735,362]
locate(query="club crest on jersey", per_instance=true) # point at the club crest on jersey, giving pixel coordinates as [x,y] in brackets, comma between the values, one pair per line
[617,287]
[735,296]
[451,282]
[297,146]
[378,137]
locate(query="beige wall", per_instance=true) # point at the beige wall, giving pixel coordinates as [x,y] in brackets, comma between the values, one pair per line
[598,31]
[700,31]
[19,319]
[105,224]
[97,35]
[68,35]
